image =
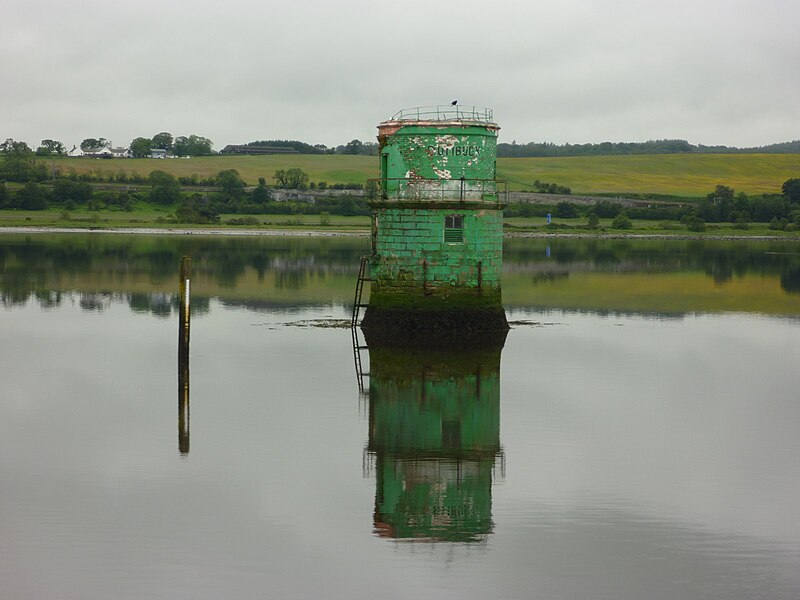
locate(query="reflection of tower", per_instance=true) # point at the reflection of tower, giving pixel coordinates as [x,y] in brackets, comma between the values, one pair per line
[437,231]
[434,441]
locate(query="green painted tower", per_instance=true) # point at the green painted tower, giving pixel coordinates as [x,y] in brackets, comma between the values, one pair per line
[434,441]
[437,233]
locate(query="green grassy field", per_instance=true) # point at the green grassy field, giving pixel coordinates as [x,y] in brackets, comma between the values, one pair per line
[685,175]
[682,175]
[332,169]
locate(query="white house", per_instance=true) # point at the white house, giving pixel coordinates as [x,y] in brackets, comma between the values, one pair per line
[100,152]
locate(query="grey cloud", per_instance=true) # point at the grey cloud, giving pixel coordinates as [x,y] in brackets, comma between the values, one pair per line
[713,72]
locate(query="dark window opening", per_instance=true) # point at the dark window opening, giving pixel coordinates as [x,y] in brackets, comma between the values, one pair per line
[451,434]
[454,229]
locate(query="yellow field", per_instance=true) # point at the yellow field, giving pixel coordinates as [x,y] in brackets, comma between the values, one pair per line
[688,175]
[669,174]
[331,168]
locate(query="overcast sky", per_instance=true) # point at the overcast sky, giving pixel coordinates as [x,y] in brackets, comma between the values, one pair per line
[708,71]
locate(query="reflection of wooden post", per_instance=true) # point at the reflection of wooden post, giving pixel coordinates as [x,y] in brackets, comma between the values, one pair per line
[184,314]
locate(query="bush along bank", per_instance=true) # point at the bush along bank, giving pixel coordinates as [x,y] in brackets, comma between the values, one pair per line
[230,195]
[723,205]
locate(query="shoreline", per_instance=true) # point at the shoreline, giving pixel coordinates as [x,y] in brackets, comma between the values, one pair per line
[357,233]
[171,231]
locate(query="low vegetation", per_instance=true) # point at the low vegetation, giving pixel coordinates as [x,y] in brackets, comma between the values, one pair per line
[201,190]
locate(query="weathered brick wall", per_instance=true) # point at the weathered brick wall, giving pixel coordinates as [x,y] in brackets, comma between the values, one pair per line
[411,251]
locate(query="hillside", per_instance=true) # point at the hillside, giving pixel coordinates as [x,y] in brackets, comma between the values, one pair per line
[689,175]
[685,175]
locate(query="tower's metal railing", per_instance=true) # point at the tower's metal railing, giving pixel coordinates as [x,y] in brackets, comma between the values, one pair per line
[446,112]
[414,189]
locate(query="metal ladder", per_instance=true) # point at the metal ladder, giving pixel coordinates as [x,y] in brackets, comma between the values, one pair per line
[357,306]
[362,277]
[361,375]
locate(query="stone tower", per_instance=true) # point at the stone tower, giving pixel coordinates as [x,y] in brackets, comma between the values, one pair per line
[437,229]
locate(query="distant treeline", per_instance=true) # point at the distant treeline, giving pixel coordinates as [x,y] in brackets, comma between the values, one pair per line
[351,147]
[300,147]
[514,150]
[547,149]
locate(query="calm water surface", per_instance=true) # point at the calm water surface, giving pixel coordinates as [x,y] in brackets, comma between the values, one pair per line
[636,437]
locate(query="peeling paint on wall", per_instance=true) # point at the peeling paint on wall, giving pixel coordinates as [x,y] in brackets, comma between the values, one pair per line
[436,153]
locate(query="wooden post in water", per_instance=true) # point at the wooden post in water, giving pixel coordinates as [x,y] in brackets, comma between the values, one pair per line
[184,315]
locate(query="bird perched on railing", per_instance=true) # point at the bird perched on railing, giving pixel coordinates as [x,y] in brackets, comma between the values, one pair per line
[454,102]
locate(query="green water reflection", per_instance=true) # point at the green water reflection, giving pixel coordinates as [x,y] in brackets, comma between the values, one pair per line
[630,276]
[434,441]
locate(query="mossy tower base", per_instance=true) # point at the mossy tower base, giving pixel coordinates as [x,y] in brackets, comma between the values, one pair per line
[431,281]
